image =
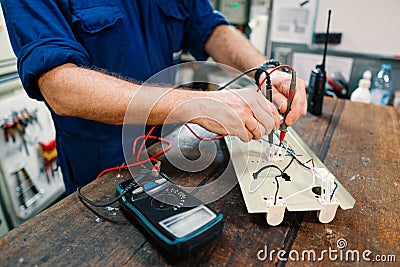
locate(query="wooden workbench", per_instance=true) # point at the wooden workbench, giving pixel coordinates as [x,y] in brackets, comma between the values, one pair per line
[359,143]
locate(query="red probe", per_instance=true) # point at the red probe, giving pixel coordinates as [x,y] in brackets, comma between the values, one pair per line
[289,104]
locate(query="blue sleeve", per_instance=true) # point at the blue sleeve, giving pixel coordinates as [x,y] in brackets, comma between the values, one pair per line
[41,37]
[203,19]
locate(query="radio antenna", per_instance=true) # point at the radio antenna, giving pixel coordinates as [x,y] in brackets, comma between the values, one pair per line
[326,40]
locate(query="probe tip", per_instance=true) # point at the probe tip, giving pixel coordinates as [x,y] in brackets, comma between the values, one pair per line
[282,136]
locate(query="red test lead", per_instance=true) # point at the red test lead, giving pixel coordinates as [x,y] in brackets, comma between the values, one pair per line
[289,104]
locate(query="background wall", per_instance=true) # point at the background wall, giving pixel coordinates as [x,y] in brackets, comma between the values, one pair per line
[5,46]
[369,36]
[368,27]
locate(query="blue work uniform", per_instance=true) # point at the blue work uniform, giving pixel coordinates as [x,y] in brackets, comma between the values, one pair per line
[133,38]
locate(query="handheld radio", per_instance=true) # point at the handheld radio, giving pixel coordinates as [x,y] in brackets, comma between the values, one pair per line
[316,85]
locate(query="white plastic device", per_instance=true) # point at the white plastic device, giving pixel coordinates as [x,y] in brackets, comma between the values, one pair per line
[307,174]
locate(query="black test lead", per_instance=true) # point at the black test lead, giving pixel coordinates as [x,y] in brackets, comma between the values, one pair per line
[268,95]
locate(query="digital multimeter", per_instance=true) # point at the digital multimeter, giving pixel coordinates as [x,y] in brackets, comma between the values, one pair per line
[158,207]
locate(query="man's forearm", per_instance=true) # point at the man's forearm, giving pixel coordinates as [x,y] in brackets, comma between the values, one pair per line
[78,92]
[228,46]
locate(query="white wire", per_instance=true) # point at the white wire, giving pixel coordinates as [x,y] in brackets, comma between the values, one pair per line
[305,189]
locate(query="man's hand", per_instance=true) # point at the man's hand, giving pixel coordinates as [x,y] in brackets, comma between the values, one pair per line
[243,113]
[228,46]
[280,93]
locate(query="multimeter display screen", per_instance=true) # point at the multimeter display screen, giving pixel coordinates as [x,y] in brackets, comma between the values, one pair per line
[184,223]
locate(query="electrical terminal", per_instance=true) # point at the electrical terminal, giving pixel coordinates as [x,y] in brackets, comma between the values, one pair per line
[328,188]
[276,153]
[155,171]
[270,150]
[270,201]
[328,185]
[328,201]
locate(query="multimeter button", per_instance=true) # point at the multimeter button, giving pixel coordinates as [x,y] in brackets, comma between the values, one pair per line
[137,190]
[149,185]
[161,181]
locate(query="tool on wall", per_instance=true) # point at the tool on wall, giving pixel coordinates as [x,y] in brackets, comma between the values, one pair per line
[48,154]
[17,122]
[20,127]
[26,190]
[8,130]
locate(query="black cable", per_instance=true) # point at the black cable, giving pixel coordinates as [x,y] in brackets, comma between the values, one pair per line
[128,188]
[277,189]
[255,174]
[301,163]
[102,205]
[308,161]
[244,73]
[287,166]
[283,175]
[293,154]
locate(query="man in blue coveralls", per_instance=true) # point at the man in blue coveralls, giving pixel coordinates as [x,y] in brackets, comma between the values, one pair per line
[62,44]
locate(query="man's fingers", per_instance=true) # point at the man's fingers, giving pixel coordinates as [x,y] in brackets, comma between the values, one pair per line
[246,135]
[275,115]
[268,109]
[255,128]
[299,104]
[298,110]
[265,112]
[281,102]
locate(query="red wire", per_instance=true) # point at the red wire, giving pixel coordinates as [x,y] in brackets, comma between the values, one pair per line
[152,158]
[270,72]
[144,142]
[158,153]
[281,67]
[204,138]
[138,162]
[261,83]
[121,167]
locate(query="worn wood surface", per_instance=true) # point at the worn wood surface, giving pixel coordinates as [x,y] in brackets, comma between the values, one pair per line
[364,155]
[71,234]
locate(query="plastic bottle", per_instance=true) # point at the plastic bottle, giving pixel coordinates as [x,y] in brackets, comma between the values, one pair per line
[362,94]
[383,88]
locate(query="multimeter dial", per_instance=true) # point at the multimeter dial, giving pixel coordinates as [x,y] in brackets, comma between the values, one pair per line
[165,200]
[177,194]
